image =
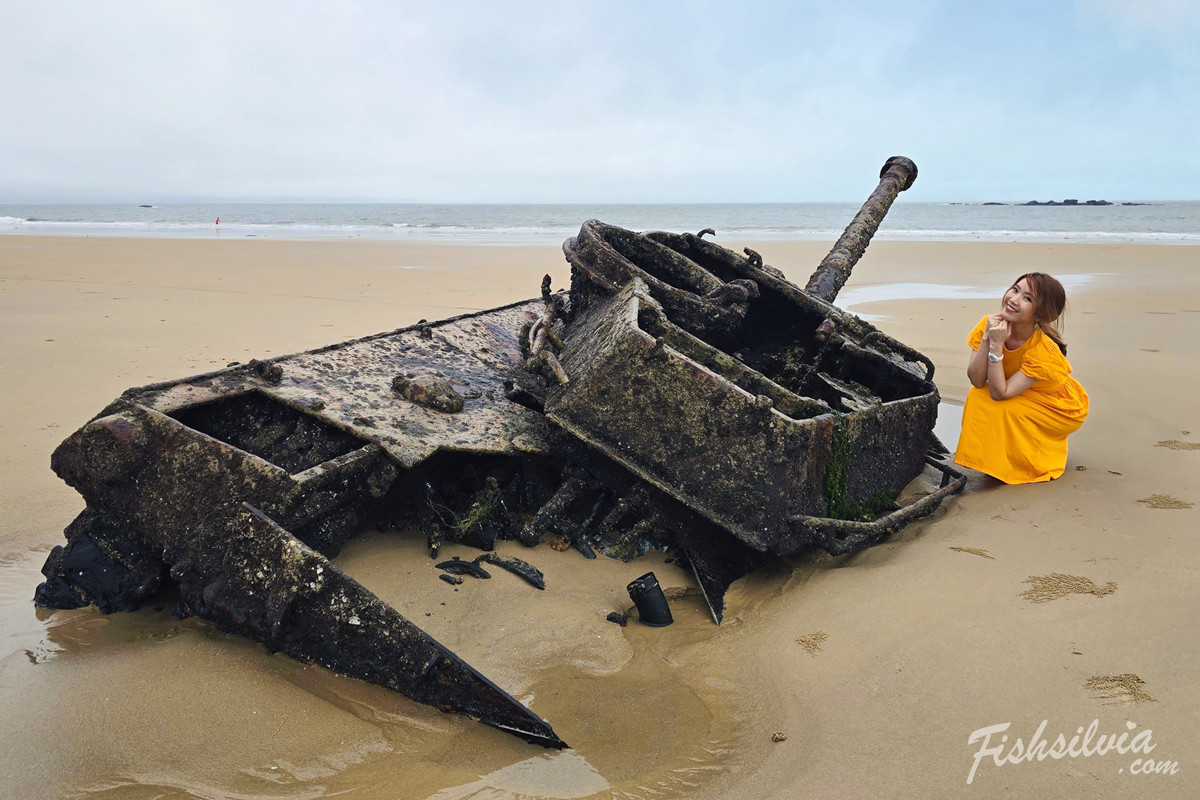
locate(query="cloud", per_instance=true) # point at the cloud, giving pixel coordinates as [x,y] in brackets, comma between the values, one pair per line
[553,102]
[1171,25]
[1159,17]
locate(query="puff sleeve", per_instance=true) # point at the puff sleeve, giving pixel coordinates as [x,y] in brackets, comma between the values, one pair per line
[975,337]
[1045,362]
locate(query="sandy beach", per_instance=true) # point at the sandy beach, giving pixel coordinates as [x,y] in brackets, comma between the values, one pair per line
[1063,602]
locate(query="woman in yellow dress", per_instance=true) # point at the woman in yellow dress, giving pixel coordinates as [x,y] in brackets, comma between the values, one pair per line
[1024,402]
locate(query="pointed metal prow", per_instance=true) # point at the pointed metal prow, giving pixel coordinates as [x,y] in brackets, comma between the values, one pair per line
[238,568]
[342,626]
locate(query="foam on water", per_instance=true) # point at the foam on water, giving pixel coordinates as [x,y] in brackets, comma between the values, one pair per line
[853,297]
[1164,223]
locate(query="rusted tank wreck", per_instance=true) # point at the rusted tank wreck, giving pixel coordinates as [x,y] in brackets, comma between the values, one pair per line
[679,397]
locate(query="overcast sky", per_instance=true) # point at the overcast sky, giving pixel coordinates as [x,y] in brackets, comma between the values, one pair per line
[606,101]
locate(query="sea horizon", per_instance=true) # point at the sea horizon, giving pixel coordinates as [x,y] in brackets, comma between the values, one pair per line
[1156,222]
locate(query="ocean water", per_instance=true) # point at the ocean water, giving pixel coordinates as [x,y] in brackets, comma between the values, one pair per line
[1162,223]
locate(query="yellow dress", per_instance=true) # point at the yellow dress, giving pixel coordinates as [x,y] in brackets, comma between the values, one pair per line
[1023,439]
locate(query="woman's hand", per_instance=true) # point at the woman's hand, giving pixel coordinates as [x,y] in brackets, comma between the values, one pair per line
[997,332]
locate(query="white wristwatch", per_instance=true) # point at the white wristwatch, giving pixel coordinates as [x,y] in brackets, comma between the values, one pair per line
[995,359]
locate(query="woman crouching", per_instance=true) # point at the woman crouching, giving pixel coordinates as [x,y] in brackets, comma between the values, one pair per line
[1024,402]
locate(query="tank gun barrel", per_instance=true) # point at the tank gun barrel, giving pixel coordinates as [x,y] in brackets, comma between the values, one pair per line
[898,174]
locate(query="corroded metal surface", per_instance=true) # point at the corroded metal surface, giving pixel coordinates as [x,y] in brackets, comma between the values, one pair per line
[680,416]
[682,397]
[351,386]
[216,484]
[236,487]
[774,414]
[897,175]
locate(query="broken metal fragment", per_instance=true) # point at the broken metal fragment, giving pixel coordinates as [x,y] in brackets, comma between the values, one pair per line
[457,566]
[567,493]
[269,371]
[429,391]
[717,560]
[516,566]
[454,580]
[651,604]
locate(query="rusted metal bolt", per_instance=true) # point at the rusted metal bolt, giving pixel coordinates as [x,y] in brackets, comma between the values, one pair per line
[112,447]
[428,391]
[763,404]
[267,370]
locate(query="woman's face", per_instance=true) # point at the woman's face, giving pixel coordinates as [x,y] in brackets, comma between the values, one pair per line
[1019,304]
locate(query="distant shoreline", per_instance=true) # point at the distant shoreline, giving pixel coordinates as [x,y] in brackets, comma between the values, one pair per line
[1067,202]
[1129,222]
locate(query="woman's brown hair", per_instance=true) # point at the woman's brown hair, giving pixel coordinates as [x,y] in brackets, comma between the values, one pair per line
[1049,301]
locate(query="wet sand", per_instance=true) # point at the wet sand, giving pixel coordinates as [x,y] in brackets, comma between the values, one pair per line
[904,650]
